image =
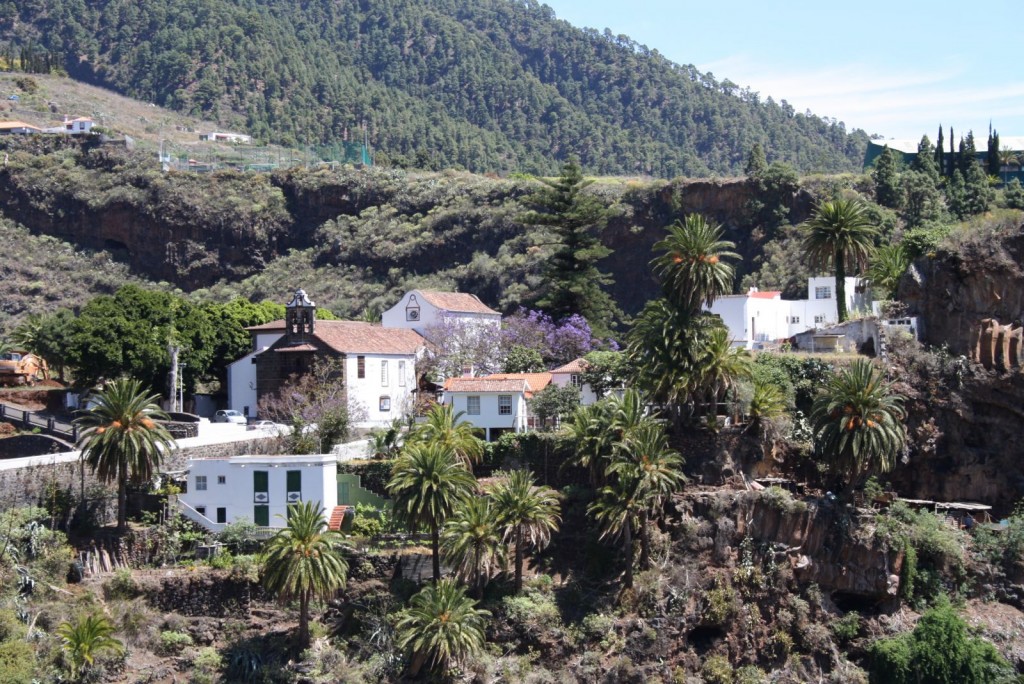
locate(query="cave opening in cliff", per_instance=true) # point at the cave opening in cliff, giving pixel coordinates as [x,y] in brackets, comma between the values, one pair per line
[847,602]
[704,637]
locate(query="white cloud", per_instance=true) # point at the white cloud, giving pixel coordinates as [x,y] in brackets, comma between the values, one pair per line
[897,103]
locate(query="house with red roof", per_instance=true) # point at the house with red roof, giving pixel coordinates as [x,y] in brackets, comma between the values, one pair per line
[758,318]
[497,403]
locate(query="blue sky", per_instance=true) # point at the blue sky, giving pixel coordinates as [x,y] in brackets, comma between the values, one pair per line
[895,68]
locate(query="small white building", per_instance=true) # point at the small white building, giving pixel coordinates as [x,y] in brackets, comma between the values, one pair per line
[226,137]
[81,125]
[221,491]
[756,318]
[18,128]
[423,310]
[572,374]
[494,404]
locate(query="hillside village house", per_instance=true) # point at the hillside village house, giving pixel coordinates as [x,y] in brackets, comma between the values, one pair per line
[379,359]
[572,374]
[220,491]
[756,318]
[495,404]
[81,125]
[18,128]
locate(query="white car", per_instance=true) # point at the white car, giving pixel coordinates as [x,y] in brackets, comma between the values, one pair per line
[268,426]
[229,417]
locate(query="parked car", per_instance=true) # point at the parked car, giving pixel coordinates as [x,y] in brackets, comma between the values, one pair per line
[229,417]
[268,426]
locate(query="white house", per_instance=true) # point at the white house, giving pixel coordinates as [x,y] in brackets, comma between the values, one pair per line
[757,317]
[256,488]
[224,136]
[242,373]
[495,404]
[423,310]
[572,374]
[78,126]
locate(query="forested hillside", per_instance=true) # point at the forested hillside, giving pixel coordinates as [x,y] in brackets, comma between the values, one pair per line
[489,85]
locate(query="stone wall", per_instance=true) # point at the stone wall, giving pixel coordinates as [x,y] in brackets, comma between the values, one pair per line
[32,445]
[27,486]
[207,593]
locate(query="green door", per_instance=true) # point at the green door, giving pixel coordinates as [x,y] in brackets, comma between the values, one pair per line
[261,515]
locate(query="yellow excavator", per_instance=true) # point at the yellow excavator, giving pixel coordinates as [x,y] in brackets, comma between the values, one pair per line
[22,368]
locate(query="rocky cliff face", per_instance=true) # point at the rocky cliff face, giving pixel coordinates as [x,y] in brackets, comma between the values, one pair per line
[966,406]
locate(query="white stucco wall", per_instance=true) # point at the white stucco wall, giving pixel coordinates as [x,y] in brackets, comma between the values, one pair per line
[364,394]
[237,493]
[242,376]
[489,418]
[587,394]
[429,315]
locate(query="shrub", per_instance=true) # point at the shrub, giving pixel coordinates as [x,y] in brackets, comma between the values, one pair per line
[222,561]
[597,626]
[720,605]
[750,674]
[173,643]
[240,537]
[532,612]
[17,663]
[206,666]
[846,628]
[939,651]
[121,585]
[717,670]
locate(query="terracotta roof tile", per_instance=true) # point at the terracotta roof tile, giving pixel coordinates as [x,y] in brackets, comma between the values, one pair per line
[458,302]
[575,366]
[536,381]
[353,337]
[485,385]
[772,294]
[272,325]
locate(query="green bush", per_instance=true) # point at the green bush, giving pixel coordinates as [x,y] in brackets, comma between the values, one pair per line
[173,643]
[532,611]
[240,537]
[939,651]
[935,559]
[847,627]
[121,585]
[206,665]
[222,561]
[717,670]
[720,605]
[17,663]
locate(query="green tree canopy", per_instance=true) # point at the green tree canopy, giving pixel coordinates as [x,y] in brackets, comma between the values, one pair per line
[440,628]
[528,513]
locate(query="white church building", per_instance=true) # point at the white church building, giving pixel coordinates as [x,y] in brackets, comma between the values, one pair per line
[757,318]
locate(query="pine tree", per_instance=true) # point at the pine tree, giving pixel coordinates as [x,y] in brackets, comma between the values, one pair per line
[572,281]
[1014,194]
[924,162]
[887,180]
[951,164]
[992,157]
[940,153]
[968,154]
[757,164]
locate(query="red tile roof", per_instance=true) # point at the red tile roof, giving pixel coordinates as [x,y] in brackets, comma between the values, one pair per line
[536,381]
[267,327]
[458,302]
[486,385]
[355,337]
[576,366]
[772,294]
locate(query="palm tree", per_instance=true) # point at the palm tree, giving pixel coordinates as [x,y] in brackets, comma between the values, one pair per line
[768,405]
[528,513]
[83,640]
[304,561]
[644,456]
[444,426]
[427,482]
[888,265]
[719,365]
[121,439]
[857,424]
[692,266]
[441,627]
[387,442]
[472,541]
[839,234]
[593,440]
[28,332]
[618,509]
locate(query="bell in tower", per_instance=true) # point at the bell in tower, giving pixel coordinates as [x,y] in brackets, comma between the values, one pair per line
[300,315]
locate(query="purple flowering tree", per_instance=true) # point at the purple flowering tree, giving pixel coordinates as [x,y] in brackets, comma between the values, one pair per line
[558,343]
[459,345]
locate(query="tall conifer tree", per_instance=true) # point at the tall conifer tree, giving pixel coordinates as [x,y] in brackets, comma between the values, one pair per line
[940,153]
[992,158]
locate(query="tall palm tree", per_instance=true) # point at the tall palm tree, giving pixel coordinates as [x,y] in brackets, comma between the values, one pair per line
[121,439]
[83,640]
[768,405]
[593,439]
[444,426]
[528,513]
[644,456]
[888,265]
[719,365]
[839,235]
[617,509]
[472,540]
[441,627]
[304,561]
[427,482]
[857,424]
[693,267]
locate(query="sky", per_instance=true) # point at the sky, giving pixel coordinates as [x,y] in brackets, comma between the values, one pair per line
[898,69]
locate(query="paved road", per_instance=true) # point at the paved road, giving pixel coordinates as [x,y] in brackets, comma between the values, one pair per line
[209,433]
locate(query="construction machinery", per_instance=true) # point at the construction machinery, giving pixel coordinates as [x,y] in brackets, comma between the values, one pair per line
[22,368]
